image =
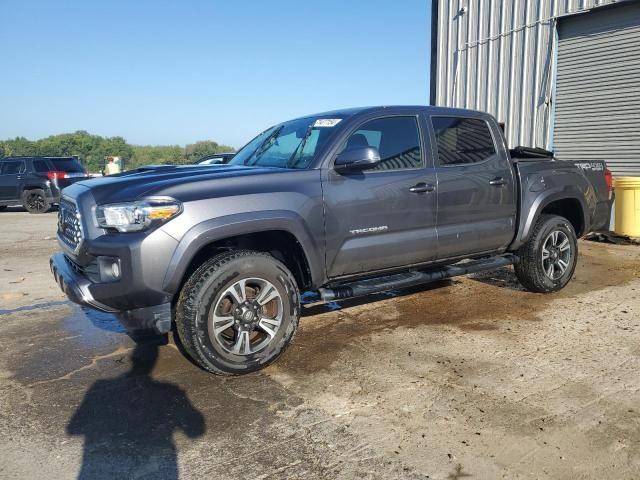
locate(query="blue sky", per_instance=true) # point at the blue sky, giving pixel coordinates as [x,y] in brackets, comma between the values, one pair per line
[158,72]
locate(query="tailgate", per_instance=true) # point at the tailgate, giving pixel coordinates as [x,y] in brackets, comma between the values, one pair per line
[595,173]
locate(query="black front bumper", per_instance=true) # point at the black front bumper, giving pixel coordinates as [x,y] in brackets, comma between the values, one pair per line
[156,318]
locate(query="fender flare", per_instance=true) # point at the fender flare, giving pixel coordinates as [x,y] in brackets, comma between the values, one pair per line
[36,186]
[209,231]
[543,200]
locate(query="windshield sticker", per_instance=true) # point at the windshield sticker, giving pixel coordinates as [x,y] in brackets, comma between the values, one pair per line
[327,122]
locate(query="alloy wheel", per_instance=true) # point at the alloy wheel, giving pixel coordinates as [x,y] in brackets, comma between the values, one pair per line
[35,202]
[556,254]
[246,316]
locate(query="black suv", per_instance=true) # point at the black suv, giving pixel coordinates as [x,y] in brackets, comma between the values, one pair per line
[36,182]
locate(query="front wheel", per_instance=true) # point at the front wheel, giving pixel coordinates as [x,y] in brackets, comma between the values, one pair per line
[238,312]
[548,259]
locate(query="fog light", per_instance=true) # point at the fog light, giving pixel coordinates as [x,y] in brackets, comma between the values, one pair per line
[110,270]
[115,270]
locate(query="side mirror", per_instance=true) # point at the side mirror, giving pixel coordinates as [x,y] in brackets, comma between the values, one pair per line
[356,159]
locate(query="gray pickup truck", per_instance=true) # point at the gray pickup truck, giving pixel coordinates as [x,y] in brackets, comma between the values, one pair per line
[343,204]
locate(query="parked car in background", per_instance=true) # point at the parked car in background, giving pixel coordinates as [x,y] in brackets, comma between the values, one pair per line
[344,204]
[216,159]
[36,182]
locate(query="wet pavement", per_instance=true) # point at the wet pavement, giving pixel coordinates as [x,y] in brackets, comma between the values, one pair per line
[467,378]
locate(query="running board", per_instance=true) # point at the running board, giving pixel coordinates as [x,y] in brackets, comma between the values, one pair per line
[411,279]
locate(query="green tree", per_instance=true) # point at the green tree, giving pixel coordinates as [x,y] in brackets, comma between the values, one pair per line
[92,150]
[196,151]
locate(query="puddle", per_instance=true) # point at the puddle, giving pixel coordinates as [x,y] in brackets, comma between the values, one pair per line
[64,340]
[598,268]
[476,305]
[35,306]
[91,325]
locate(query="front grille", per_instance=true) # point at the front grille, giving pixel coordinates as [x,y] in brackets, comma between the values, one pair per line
[69,226]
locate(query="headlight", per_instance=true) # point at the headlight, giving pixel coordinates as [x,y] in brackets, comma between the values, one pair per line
[137,216]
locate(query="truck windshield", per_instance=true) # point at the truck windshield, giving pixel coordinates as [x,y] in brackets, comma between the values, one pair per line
[291,144]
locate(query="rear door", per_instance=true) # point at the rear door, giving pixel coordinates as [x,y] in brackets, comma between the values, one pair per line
[385,217]
[10,173]
[476,186]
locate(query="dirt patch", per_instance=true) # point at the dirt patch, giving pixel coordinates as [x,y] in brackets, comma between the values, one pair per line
[468,378]
[478,327]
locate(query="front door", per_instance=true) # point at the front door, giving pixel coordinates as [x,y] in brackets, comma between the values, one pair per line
[10,171]
[476,187]
[383,217]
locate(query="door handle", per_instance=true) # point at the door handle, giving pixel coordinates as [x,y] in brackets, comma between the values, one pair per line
[497,182]
[422,188]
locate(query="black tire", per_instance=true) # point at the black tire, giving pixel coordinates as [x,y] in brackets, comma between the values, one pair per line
[35,201]
[541,275]
[207,290]
[2,208]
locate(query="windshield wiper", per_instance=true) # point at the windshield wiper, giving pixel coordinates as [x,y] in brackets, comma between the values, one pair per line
[263,146]
[300,148]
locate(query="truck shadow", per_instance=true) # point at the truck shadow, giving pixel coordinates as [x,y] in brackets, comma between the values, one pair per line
[128,423]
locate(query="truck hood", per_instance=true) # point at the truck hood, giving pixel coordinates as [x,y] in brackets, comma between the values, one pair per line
[181,182]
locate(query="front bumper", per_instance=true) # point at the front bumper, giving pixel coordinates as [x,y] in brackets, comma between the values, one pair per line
[75,286]
[155,318]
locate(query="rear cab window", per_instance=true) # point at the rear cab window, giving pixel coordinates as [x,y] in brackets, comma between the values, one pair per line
[462,140]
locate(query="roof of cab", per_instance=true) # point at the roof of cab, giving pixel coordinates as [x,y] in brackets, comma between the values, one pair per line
[349,112]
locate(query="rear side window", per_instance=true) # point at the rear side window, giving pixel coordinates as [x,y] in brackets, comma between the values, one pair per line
[40,166]
[70,165]
[11,167]
[462,141]
[396,138]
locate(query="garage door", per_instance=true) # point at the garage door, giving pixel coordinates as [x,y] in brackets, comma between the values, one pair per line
[597,110]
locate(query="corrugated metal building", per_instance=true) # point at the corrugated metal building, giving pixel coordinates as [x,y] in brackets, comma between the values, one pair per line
[560,74]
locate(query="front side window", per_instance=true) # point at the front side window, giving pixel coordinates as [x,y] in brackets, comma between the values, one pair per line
[396,138]
[11,168]
[291,144]
[462,141]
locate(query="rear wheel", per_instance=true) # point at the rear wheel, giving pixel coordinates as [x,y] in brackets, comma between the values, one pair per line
[35,201]
[238,312]
[548,259]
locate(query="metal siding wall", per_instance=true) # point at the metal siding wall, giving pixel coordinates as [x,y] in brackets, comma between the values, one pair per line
[598,98]
[498,57]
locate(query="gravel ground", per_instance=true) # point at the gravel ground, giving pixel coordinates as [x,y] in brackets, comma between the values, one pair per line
[470,378]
